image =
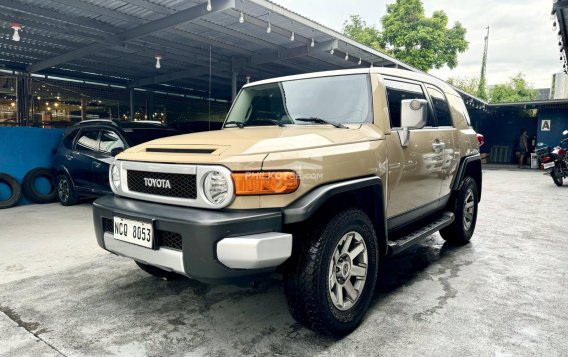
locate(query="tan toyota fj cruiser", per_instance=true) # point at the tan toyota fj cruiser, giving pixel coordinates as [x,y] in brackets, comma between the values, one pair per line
[315,176]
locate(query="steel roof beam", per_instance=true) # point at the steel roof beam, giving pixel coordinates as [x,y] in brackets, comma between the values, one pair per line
[159,9]
[288,53]
[136,32]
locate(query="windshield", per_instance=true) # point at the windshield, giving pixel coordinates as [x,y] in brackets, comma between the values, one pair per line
[140,136]
[337,99]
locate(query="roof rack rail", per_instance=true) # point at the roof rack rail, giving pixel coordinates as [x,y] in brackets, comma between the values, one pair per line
[97,120]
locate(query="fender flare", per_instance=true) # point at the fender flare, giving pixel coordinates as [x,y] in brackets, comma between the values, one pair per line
[305,207]
[470,163]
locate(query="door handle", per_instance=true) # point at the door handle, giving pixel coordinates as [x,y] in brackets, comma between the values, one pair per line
[438,145]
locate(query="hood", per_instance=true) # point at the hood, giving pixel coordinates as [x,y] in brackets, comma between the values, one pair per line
[258,140]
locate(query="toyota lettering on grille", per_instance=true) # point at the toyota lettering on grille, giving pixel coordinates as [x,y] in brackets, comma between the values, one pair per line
[158,183]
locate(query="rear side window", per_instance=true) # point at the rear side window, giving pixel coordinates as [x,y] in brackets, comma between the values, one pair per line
[69,138]
[110,141]
[441,107]
[88,140]
[398,91]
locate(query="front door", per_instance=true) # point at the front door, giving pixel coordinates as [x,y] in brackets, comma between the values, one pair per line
[109,141]
[84,153]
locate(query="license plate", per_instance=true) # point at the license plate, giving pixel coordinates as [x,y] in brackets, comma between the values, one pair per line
[548,165]
[135,232]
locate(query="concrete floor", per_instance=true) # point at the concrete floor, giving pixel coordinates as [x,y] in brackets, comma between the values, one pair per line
[505,294]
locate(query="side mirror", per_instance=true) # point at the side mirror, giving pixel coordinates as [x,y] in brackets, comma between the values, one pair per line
[116,151]
[565,132]
[413,113]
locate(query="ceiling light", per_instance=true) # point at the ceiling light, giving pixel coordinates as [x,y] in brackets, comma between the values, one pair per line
[359,63]
[16,27]
[158,63]
[269,27]
[209,7]
[293,36]
[332,51]
[554,27]
[242,17]
[346,56]
[313,43]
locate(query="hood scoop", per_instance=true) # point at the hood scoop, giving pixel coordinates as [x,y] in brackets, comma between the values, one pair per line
[181,151]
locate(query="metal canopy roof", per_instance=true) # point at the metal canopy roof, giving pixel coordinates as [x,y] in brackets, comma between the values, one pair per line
[560,16]
[116,41]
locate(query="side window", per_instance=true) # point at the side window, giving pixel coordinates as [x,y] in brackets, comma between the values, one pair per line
[70,138]
[441,107]
[396,92]
[88,140]
[109,141]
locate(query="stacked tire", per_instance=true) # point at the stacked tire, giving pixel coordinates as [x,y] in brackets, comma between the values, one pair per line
[29,187]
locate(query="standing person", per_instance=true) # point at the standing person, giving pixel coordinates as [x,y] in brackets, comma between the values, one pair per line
[523,147]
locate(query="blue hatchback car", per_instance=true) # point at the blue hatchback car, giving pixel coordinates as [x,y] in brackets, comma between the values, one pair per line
[84,154]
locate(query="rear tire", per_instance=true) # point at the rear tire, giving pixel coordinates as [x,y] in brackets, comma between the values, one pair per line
[157,272]
[331,276]
[556,177]
[65,192]
[464,207]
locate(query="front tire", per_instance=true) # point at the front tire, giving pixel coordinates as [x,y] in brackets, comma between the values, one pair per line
[464,206]
[557,177]
[65,192]
[332,274]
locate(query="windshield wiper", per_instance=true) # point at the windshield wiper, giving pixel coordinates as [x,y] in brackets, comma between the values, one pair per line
[322,121]
[241,125]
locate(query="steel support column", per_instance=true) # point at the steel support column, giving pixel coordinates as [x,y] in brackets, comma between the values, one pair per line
[131,92]
[234,86]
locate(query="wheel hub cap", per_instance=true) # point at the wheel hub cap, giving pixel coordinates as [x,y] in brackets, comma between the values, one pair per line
[348,271]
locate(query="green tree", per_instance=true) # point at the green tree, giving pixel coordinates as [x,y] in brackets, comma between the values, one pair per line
[408,35]
[468,84]
[358,30]
[517,89]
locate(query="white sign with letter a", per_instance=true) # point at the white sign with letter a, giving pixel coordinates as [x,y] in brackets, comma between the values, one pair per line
[545,125]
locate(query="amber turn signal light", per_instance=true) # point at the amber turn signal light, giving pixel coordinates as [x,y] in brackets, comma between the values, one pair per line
[265,182]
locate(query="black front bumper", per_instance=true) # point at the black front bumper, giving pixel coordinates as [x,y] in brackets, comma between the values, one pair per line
[200,231]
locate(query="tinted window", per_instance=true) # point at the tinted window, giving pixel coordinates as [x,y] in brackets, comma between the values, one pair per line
[88,141]
[342,99]
[69,138]
[398,91]
[441,107]
[140,136]
[109,141]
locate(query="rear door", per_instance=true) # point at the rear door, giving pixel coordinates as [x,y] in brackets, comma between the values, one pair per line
[445,139]
[109,141]
[414,170]
[84,153]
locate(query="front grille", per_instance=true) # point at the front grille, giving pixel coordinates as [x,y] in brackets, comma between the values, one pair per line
[181,185]
[164,238]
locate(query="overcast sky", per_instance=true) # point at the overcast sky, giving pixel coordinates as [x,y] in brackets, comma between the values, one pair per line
[521,36]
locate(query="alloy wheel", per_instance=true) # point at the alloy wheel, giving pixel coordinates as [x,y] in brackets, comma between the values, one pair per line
[348,271]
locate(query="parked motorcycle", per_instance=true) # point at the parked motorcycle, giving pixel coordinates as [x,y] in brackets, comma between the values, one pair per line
[555,161]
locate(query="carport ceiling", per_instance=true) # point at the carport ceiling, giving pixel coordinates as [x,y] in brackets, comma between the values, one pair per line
[117,41]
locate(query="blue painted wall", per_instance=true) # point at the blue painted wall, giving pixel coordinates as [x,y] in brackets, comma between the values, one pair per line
[503,130]
[24,149]
[558,123]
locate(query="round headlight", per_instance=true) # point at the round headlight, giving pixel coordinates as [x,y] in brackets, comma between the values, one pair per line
[115,176]
[215,187]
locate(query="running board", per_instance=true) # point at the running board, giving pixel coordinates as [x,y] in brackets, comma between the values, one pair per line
[397,246]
